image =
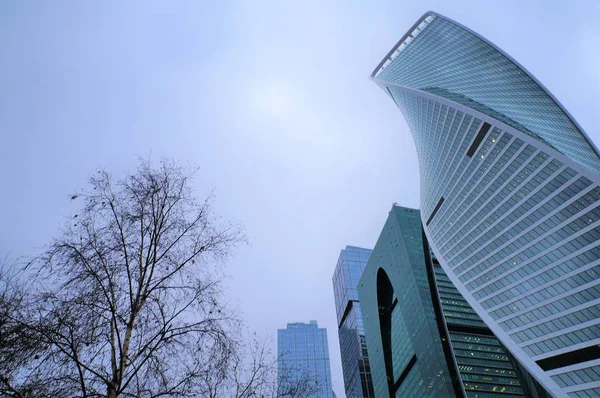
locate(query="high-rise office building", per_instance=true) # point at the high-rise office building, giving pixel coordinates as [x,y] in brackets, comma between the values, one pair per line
[353,346]
[303,357]
[509,197]
[423,338]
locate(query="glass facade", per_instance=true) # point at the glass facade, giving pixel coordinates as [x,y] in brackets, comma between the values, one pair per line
[510,191]
[436,344]
[303,356]
[353,346]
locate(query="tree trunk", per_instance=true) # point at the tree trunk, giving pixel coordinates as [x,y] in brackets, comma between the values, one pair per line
[112,389]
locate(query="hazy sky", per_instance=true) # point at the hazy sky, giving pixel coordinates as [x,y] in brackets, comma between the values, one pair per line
[272,99]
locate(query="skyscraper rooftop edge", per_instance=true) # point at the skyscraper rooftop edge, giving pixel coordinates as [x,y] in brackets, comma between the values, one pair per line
[427,18]
[393,50]
[311,322]
[357,248]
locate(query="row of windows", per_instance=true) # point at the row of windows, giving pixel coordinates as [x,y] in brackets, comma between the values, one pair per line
[589,393]
[474,338]
[482,355]
[580,376]
[450,295]
[496,388]
[445,284]
[552,258]
[562,242]
[486,370]
[460,305]
[457,306]
[460,315]
[461,321]
[552,293]
[446,288]
[566,321]
[564,340]
[469,377]
[542,274]
[472,360]
[560,304]
[452,298]
[478,347]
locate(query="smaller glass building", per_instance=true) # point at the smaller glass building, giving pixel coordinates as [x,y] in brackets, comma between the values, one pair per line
[353,346]
[423,338]
[303,356]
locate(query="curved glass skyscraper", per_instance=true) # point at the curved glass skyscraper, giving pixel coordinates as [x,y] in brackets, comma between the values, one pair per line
[509,197]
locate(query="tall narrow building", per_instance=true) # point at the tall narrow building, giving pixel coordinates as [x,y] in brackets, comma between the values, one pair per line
[303,357]
[509,197]
[423,338]
[353,346]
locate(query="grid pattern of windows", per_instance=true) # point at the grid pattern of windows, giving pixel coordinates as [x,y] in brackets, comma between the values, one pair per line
[587,393]
[303,354]
[353,345]
[519,224]
[575,377]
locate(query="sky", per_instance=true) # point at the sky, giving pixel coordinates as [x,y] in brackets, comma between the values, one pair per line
[271,99]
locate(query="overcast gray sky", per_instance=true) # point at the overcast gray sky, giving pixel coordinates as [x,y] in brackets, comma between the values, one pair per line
[272,99]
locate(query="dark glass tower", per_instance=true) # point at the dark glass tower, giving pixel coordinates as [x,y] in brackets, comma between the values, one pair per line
[510,197]
[423,338]
[353,346]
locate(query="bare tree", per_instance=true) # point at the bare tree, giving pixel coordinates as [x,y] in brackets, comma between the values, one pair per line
[129,300]
[16,343]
